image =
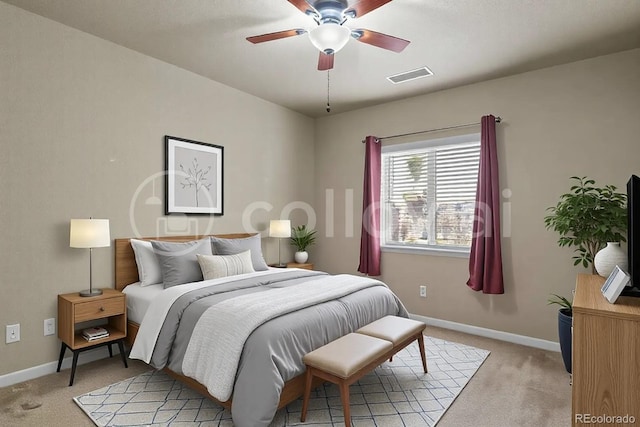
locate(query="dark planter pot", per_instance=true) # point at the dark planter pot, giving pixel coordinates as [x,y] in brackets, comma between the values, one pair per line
[564,333]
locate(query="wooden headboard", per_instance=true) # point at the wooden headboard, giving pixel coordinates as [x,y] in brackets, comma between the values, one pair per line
[126,268]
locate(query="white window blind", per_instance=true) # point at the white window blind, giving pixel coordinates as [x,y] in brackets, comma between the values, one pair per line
[428,193]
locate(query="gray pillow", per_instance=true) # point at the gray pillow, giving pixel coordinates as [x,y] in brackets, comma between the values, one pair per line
[178,261]
[235,246]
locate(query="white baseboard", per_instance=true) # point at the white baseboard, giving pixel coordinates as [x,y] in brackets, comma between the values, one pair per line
[49,368]
[102,352]
[490,333]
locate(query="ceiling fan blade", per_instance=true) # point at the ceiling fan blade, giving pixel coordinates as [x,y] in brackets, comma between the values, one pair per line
[384,41]
[325,62]
[275,36]
[362,7]
[302,5]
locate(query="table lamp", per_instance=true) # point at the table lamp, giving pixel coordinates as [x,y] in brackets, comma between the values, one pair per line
[280,228]
[89,233]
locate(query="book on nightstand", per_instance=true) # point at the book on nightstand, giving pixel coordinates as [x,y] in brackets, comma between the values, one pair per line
[96,333]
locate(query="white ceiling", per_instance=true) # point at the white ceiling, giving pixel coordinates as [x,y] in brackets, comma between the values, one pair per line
[461,41]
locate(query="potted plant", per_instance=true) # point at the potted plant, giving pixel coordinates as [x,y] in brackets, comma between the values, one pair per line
[565,315]
[302,238]
[415,164]
[588,217]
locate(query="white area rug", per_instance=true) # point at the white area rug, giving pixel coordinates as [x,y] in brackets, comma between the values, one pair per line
[397,393]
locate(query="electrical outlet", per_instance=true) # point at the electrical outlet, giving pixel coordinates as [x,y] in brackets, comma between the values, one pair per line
[13,333]
[423,291]
[49,326]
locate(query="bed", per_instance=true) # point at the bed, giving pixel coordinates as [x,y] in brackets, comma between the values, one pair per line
[267,369]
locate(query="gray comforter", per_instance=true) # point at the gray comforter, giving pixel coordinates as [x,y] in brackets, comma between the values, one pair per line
[273,353]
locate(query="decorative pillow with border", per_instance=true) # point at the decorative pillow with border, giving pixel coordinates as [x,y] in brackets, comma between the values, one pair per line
[149,271]
[216,266]
[235,246]
[178,261]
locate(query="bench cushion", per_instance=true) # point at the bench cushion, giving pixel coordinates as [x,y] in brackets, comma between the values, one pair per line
[393,328]
[347,355]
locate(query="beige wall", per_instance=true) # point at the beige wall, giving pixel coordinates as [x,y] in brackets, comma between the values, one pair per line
[81,128]
[82,123]
[576,119]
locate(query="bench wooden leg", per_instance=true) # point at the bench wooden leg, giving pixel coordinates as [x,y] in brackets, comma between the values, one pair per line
[346,409]
[422,352]
[307,394]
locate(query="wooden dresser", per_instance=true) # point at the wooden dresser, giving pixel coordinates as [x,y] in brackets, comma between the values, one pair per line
[606,356]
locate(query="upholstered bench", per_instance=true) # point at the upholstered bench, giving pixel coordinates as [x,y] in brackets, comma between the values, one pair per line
[347,359]
[400,331]
[343,362]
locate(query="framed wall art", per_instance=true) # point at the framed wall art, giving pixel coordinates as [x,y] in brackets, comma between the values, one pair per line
[193,177]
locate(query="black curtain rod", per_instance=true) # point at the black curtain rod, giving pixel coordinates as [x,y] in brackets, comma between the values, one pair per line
[498,120]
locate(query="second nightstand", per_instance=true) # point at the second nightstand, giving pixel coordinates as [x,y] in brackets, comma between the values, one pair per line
[306,266]
[74,309]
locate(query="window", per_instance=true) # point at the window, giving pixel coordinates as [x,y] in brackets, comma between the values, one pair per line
[428,193]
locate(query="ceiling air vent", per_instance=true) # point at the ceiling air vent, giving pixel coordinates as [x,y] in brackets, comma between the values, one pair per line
[410,75]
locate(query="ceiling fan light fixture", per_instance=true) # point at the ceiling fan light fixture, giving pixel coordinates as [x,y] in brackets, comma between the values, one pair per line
[330,37]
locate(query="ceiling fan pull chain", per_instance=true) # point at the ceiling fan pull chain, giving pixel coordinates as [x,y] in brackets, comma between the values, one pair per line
[328,101]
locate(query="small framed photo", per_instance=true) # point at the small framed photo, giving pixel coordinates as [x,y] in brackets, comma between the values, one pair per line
[193,177]
[614,284]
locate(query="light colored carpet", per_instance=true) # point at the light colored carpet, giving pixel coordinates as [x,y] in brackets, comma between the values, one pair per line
[516,386]
[396,393]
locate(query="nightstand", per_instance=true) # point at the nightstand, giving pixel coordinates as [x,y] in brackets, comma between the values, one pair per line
[306,266]
[73,310]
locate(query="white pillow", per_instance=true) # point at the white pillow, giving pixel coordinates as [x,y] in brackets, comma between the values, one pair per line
[149,271]
[216,266]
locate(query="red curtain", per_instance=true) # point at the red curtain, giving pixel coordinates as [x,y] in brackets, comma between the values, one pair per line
[370,236]
[485,262]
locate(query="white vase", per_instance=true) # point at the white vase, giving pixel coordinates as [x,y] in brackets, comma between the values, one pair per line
[608,257]
[301,257]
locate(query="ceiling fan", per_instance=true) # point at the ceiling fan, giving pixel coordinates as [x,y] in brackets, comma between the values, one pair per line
[332,34]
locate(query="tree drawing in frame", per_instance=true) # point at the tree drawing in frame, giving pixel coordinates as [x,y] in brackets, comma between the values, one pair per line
[194,177]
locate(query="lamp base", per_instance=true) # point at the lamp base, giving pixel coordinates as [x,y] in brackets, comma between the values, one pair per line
[91,293]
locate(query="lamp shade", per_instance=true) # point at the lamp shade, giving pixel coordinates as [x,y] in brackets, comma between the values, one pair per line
[280,228]
[89,233]
[329,37]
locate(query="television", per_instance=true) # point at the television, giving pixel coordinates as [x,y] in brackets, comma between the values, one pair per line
[633,237]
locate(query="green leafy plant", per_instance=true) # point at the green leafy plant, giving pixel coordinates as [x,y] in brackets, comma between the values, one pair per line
[564,303]
[415,165]
[302,238]
[588,217]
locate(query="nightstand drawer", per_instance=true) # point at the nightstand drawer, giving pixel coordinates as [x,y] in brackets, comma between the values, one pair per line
[98,309]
